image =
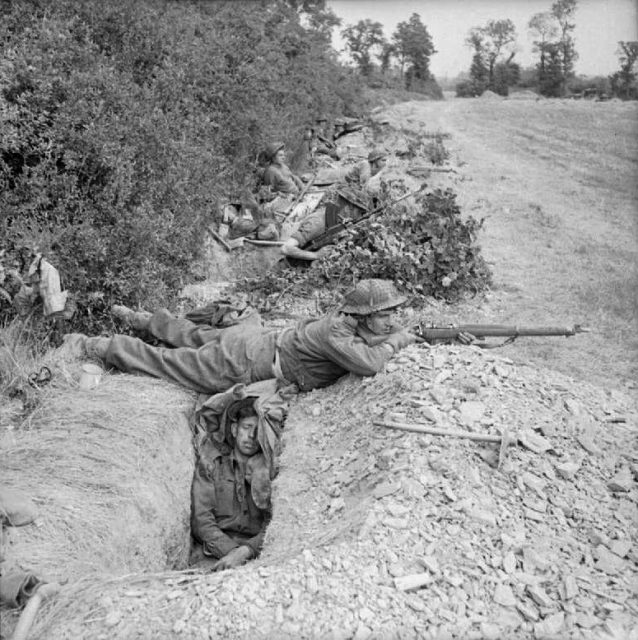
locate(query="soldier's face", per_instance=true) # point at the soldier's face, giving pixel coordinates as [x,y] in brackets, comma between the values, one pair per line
[245,433]
[381,322]
[280,156]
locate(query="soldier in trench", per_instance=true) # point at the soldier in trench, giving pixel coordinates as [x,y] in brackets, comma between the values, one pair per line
[359,337]
[231,494]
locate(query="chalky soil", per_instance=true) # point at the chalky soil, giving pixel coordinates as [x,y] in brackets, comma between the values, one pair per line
[386,534]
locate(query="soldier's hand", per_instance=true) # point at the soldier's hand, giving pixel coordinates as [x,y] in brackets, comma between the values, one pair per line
[323,252]
[400,339]
[234,558]
[466,338]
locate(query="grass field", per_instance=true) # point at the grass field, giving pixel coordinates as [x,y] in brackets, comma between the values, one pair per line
[557,182]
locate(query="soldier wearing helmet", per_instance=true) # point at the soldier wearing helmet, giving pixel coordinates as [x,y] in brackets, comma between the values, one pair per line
[347,205]
[358,338]
[322,142]
[344,204]
[278,174]
[361,172]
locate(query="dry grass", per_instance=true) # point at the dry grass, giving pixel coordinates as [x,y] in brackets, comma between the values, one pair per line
[110,472]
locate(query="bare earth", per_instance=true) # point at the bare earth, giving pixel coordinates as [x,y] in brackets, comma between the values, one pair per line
[557,182]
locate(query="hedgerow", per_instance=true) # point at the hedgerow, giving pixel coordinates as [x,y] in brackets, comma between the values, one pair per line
[427,248]
[124,123]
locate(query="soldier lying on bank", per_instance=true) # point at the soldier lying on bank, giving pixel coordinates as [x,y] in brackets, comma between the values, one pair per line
[360,338]
[231,495]
[344,204]
[323,218]
[278,174]
[360,173]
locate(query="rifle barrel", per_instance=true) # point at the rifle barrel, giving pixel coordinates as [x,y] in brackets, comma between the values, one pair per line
[496,331]
[332,232]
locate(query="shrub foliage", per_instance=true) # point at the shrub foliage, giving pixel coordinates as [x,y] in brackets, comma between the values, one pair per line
[125,122]
[427,248]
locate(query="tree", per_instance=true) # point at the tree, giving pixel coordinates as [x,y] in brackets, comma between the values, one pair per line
[506,74]
[489,43]
[414,47]
[543,29]
[552,81]
[479,77]
[362,39]
[388,51]
[623,82]
[318,16]
[563,12]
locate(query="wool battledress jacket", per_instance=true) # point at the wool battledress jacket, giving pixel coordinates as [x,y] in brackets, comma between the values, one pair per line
[281,179]
[224,514]
[313,354]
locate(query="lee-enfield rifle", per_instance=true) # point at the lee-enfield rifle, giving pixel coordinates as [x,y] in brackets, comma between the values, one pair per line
[432,333]
[328,236]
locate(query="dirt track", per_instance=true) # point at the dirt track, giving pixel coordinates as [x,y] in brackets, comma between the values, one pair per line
[557,182]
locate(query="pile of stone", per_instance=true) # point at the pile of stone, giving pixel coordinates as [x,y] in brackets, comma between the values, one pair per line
[381,533]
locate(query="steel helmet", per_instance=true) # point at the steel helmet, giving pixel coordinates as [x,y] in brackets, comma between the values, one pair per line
[370,296]
[272,148]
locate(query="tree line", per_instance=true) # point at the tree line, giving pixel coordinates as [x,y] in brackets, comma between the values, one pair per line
[494,48]
[408,52]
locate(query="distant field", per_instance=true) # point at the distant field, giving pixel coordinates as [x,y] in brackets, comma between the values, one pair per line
[558,184]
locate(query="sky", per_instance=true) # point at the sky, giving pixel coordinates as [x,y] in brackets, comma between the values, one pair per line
[600,24]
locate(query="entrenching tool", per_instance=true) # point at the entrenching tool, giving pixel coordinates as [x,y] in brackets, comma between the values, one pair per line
[505,439]
[235,243]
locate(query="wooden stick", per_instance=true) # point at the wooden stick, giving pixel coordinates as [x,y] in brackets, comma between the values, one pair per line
[264,243]
[220,240]
[422,428]
[300,196]
[42,593]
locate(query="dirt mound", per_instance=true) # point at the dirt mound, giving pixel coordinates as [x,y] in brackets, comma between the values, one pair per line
[386,534]
[525,94]
[490,95]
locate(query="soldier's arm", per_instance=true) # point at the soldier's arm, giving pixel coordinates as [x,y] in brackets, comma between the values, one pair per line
[349,351]
[291,249]
[257,541]
[204,523]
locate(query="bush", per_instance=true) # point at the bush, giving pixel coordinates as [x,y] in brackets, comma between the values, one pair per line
[435,151]
[427,250]
[594,84]
[467,89]
[125,122]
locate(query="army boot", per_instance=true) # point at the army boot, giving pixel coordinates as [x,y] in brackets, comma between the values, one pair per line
[137,319]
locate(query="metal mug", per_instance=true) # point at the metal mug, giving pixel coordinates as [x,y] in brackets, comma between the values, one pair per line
[90,376]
